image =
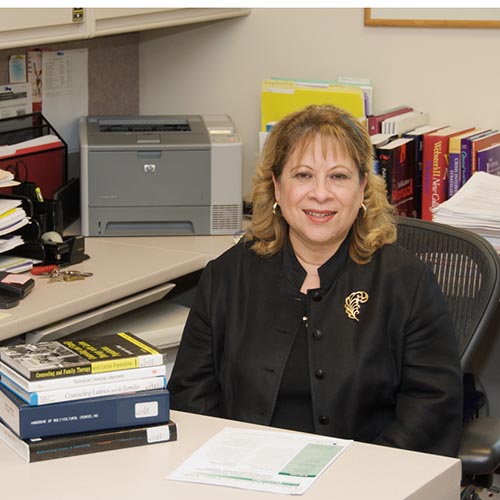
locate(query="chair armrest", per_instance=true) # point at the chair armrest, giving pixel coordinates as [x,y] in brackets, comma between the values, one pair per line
[480,446]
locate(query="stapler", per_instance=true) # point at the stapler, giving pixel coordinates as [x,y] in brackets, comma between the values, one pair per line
[69,251]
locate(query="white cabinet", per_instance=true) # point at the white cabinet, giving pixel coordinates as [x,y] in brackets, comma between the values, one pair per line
[27,26]
[33,27]
[114,21]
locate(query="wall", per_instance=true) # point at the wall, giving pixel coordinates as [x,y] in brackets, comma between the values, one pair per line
[218,67]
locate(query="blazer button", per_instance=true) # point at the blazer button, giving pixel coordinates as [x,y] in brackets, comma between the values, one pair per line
[324,420]
[317,334]
[316,296]
[319,374]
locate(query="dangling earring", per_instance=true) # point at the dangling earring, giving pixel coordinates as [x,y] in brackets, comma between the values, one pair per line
[275,206]
[363,207]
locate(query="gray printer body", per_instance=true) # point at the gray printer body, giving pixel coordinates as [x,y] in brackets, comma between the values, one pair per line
[160,175]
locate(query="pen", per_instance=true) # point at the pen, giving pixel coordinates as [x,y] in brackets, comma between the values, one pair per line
[38,193]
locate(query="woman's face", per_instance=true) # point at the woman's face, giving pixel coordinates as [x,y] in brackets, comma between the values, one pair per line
[320,195]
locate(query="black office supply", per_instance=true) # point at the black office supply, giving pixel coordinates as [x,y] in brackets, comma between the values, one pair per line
[15,285]
[68,252]
[8,301]
[69,196]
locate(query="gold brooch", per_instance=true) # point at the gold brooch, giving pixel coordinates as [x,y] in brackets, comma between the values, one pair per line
[353,303]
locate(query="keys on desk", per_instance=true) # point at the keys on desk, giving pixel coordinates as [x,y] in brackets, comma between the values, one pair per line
[60,275]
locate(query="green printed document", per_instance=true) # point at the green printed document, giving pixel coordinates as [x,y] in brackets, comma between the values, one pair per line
[273,461]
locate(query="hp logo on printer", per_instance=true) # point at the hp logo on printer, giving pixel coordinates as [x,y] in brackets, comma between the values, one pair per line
[149,168]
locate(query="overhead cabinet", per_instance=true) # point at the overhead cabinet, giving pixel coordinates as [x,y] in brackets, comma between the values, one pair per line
[30,27]
[25,27]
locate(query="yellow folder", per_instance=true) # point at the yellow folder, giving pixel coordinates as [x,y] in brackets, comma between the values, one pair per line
[281,97]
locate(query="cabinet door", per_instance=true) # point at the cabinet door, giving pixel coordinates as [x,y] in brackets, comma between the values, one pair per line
[116,20]
[30,27]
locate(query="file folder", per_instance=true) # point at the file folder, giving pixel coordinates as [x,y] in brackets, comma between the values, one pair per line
[281,97]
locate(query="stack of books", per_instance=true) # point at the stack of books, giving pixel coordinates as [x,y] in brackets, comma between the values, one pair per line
[73,397]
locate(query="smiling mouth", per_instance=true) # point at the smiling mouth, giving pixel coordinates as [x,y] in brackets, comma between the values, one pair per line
[319,215]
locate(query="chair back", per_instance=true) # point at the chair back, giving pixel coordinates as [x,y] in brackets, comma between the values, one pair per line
[467,268]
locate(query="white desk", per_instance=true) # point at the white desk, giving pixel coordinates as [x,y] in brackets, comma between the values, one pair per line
[361,472]
[128,272]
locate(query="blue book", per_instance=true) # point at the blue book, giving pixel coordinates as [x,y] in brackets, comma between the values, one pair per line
[466,155]
[488,160]
[83,415]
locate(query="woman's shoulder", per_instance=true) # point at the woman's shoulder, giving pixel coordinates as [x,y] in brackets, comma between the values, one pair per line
[397,256]
[240,252]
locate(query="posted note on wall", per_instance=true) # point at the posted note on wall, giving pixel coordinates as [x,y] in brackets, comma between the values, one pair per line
[65,92]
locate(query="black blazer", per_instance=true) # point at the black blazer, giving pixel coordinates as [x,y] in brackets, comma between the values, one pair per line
[380,333]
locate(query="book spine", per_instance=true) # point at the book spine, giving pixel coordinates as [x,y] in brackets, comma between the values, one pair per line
[417,189]
[117,411]
[375,121]
[465,162]
[15,443]
[84,392]
[89,368]
[481,143]
[454,169]
[80,380]
[373,125]
[489,161]
[434,172]
[127,363]
[385,169]
[417,178]
[37,450]
[482,161]
[402,180]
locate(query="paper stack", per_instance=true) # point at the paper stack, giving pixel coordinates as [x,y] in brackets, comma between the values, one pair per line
[476,207]
[7,178]
[12,217]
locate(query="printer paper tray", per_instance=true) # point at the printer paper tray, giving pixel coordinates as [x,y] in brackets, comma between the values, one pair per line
[95,316]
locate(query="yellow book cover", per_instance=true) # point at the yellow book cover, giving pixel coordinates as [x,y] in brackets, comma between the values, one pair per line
[65,358]
[281,97]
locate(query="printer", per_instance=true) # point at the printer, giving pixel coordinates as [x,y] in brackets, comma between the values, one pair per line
[160,175]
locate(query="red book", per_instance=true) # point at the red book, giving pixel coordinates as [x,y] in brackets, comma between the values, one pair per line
[435,168]
[374,122]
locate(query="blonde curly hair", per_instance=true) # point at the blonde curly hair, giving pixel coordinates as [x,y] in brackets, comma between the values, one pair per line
[371,230]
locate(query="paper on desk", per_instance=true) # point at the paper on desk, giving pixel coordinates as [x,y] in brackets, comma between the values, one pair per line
[273,461]
[14,264]
[475,207]
[479,198]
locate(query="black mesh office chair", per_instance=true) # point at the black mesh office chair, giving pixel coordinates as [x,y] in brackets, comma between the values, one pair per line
[467,268]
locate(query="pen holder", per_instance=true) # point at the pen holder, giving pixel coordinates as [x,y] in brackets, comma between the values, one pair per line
[49,215]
